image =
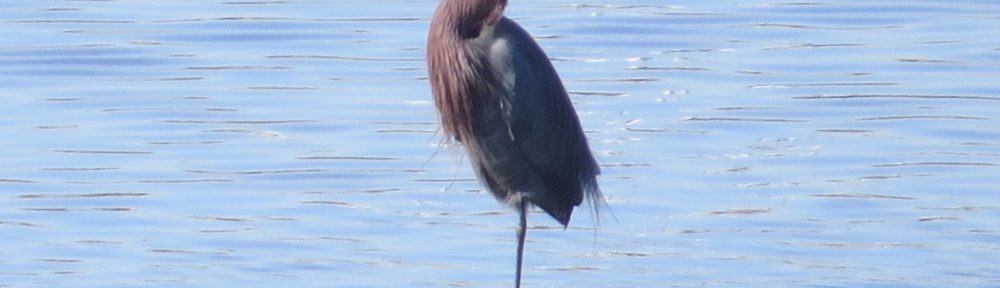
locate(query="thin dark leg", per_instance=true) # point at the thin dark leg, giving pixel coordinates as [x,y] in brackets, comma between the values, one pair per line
[521,230]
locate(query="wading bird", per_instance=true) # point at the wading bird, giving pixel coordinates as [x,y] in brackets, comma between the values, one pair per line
[499,96]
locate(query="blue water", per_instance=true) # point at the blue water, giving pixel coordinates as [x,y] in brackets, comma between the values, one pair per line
[294,144]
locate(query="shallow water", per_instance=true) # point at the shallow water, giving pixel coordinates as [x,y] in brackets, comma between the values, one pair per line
[293,144]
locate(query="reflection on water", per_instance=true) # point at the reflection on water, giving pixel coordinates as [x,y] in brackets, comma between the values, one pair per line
[293,144]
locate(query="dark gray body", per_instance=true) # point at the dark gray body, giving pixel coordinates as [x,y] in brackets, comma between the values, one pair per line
[529,143]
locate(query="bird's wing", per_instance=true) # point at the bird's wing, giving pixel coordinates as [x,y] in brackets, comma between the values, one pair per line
[539,114]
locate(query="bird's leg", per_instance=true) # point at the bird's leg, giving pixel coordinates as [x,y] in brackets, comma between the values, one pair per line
[521,230]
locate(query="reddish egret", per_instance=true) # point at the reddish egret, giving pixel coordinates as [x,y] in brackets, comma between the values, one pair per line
[499,96]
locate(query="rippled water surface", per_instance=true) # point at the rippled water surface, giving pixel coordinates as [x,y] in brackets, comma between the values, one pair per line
[293,144]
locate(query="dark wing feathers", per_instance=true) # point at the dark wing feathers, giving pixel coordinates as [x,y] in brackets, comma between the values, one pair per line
[544,125]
